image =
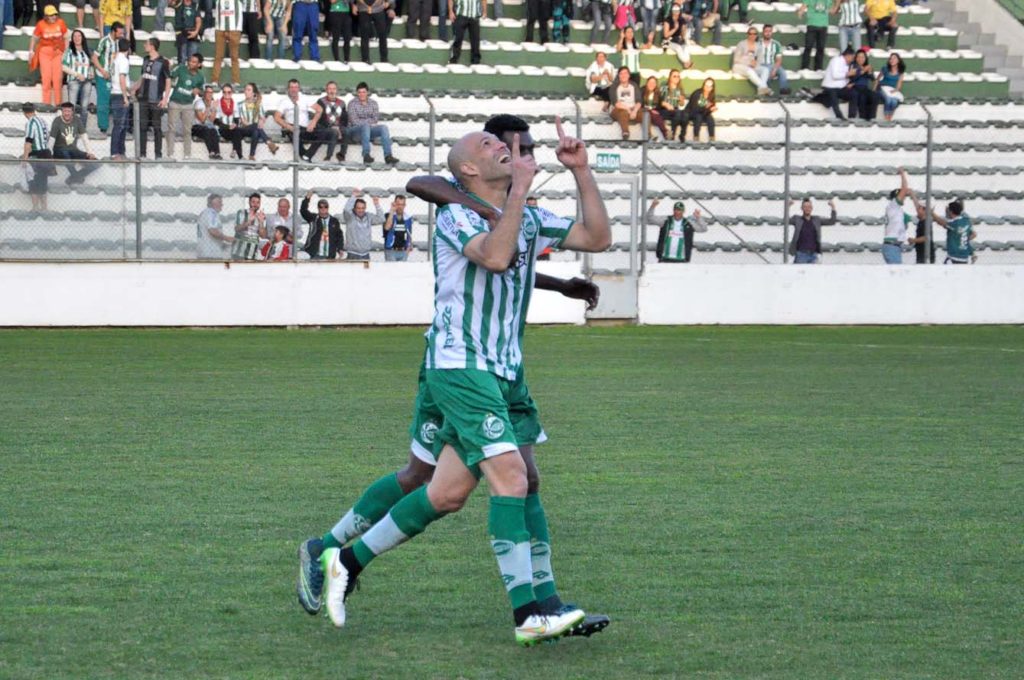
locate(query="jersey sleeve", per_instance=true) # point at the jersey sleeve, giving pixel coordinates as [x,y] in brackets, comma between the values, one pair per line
[457,226]
[552,230]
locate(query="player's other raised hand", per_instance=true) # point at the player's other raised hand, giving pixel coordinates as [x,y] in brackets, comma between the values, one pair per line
[571,152]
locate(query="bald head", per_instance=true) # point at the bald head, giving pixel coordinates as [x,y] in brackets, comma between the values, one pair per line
[479,157]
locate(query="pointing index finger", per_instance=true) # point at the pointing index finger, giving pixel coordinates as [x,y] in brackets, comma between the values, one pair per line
[558,128]
[515,146]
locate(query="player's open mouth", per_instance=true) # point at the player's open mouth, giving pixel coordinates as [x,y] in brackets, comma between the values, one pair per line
[505,159]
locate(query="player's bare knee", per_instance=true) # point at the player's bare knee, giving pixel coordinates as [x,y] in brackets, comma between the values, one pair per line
[506,474]
[448,499]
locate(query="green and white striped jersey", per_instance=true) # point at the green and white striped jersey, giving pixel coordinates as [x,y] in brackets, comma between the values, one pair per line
[78,62]
[229,15]
[767,51]
[36,134]
[106,50]
[251,113]
[850,13]
[479,317]
[468,8]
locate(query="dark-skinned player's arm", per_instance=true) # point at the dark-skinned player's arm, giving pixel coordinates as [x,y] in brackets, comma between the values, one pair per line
[439,191]
[493,250]
[594,233]
[575,288]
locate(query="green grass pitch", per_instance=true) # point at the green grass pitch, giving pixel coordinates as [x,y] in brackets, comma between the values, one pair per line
[744,502]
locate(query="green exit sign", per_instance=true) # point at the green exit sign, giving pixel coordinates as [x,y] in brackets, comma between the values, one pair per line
[608,161]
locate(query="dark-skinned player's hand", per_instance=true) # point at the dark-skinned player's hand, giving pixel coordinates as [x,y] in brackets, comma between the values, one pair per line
[581,289]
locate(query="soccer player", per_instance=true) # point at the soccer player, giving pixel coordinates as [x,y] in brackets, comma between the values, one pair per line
[959,233]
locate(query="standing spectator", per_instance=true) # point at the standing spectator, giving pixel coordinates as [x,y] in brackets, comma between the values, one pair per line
[625,101]
[561,13]
[205,127]
[881,18]
[251,221]
[835,84]
[602,12]
[417,25]
[153,90]
[188,27]
[116,12]
[705,15]
[67,132]
[889,86]
[36,146]
[744,62]
[374,16]
[674,36]
[851,16]
[920,240]
[729,4]
[103,65]
[97,17]
[339,23]
[537,12]
[600,76]
[701,109]
[226,117]
[675,239]
[211,241]
[816,12]
[47,48]
[862,83]
[650,11]
[358,226]
[285,117]
[276,15]
[769,60]
[895,223]
[230,17]
[629,52]
[136,23]
[120,89]
[397,232]
[305,23]
[330,120]
[442,19]
[281,218]
[959,233]
[159,14]
[277,249]
[251,119]
[651,99]
[805,246]
[77,66]
[673,104]
[324,238]
[252,14]
[465,14]
[364,124]
[187,83]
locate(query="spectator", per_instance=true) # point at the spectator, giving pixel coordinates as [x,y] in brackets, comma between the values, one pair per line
[675,239]
[537,12]
[881,18]
[835,84]
[729,4]
[103,65]
[282,218]
[851,16]
[816,12]
[895,223]
[277,249]
[862,81]
[465,14]
[230,17]
[375,17]
[531,201]
[251,119]
[324,239]
[276,15]
[561,12]
[211,241]
[398,231]
[629,53]
[120,89]
[153,90]
[625,14]
[305,24]
[805,246]
[600,76]
[651,98]
[602,11]
[744,61]
[364,124]
[339,24]
[77,66]
[188,29]
[159,14]
[704,15]
[116,12]
[250,225]
[889,86]
[625,101]
[97,18]
[650,11]
[417,23]
[36,146]
[67,131]
[298,104]
[701,109]
[358,225]
[673,104]
[920,240]
[226,117]
[769,60]
[205,127]
[959,233]
[330,120]
[47,48]
[187,83]
[252,14]
[674,36]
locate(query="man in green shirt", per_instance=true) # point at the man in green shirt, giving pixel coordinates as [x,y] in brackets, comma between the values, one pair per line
[188,26]
[959,233]
[816,13]
[675,239]
[187,83]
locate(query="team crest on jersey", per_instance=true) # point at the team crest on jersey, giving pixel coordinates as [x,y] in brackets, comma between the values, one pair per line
[428,432]
[493,427]
[529,229]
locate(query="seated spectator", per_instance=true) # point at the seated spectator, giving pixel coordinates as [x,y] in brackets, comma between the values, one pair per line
[364,125]
[675,239]
[650,16]
[959,233]
[805,246]
[673,33]
[602,12]
[250,227]
[187,83]
[276,15]
[398,231]
[600,76]
[862,83]
[744,62]
[252,117]
[226,117]
[205,127]
[629,52]
[704,15]
[651,98]
[701,109]
[330,118]
[625,102]
[358,225]
[851,19]
[97,18]
[673,104]
[67,132]
[211,241]
[881,18]
[297,104]
[324,238]
[889,86]
[37,145]
[79,74]
[769,60]
[835,84]
[282,218]
[277,248]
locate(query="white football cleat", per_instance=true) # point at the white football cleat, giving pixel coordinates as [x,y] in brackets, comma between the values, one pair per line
[335,584]
[538,628]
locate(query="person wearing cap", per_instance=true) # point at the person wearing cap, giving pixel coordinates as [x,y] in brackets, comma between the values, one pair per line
[675,239]
[324,239]
[47,46]
[36,146]
[896,223]
[805,246]
[68,134]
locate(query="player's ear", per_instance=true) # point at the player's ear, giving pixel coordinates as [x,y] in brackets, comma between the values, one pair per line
[469,169]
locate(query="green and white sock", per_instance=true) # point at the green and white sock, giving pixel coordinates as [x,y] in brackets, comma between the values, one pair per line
[511,544]
[410,517]
[368,510]
[540,549]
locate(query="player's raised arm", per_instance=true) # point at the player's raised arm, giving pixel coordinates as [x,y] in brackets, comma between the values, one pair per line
[594,233]
[439,191]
